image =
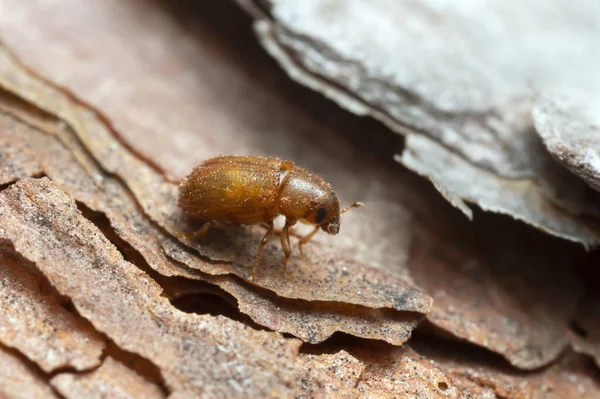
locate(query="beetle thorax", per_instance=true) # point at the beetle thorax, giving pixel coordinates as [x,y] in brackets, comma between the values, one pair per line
[301,193]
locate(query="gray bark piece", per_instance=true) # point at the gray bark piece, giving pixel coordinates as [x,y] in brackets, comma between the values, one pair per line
[460,74]
[569,124]
[517,198]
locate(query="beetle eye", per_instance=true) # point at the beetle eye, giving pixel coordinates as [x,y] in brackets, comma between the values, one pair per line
[321,213]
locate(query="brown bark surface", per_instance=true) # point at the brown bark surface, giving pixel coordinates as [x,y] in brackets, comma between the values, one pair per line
[106,105]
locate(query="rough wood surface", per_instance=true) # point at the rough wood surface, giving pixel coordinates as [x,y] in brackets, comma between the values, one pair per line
[105,105]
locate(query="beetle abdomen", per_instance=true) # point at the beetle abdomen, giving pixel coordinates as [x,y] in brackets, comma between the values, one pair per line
[232,189]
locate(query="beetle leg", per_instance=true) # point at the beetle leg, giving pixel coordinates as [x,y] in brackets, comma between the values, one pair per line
[306,239]
[291,232]
[199,233]
[285,244]
[294,233]
[203,230]
[265,240]
[276,233]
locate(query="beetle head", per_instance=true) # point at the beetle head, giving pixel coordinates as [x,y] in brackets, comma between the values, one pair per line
[328,215]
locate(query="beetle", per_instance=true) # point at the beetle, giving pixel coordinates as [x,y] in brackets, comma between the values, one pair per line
[244,190]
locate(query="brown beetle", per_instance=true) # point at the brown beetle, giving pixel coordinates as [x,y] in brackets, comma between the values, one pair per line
[251,190]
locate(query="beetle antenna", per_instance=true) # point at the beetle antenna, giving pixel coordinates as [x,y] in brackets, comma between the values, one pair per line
[355,205]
